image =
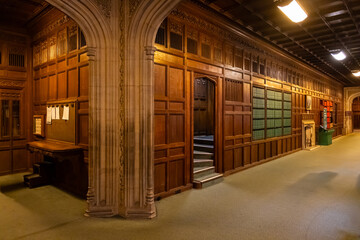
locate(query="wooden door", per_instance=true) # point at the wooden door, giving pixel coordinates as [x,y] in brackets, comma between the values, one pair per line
[356,120]
[12,141]
[356,113]
[203,107]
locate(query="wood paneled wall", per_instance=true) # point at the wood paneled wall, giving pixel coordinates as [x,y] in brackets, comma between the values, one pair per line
[188,44]
[14,75]
[61,68]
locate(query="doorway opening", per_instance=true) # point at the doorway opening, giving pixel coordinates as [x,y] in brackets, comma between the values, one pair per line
[356,113]
[204,134]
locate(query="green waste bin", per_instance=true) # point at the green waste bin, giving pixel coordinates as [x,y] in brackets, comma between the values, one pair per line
[325,136]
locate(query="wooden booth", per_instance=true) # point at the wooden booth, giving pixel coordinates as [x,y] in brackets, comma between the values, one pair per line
[62,160]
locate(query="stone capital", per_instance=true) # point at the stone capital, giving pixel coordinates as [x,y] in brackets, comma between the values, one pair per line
[150,52]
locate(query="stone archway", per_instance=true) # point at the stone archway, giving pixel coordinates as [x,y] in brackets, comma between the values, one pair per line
[350,93]
[146,17]
[104,110]
[120,37]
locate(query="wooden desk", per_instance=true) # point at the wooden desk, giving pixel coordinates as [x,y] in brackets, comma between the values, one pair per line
[71,172]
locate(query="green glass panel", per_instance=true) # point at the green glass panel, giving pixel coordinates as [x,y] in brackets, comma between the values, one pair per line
[278,122]
[287,130]
[258,134]
[270,123]
[287,122]
[270,113]
[270,94]
[278,113]
[258,103]
[287,114]
[278,105]
[258,92]
[287,105]
[270,104]
[287,97]
[278,96]
[270,133]
[278,132]
[258,124]
[258,113]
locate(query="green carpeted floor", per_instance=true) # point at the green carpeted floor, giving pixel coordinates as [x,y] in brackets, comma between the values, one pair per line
[306,195]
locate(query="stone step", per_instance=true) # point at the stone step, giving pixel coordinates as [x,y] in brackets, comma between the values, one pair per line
[203,171]
[203,163]
[35,180]
[204,140]
[203,155]
[208,180]
[204,148]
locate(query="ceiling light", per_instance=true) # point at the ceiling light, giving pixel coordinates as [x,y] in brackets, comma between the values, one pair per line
[339,55]
[356,73]
[294,11]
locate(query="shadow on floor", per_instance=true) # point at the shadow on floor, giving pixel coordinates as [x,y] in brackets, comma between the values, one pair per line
[12,187]
[311,183]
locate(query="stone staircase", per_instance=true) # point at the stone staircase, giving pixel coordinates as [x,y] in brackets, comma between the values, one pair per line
[204,169]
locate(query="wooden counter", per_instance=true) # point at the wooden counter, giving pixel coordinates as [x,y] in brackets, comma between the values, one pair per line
[70,172]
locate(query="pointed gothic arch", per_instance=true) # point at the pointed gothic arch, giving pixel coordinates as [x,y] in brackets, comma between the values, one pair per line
[104,108]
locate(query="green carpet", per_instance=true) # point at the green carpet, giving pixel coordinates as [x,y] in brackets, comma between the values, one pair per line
[306,195]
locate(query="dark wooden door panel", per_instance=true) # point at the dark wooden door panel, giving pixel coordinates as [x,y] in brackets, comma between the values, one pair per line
[356,120]
[5,162]
[204,101]
[172,167]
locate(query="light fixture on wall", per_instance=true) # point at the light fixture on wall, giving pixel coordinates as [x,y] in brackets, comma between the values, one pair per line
[356,73]
[292,10]
[338,55]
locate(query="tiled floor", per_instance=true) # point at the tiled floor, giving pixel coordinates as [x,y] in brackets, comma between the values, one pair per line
[306,195]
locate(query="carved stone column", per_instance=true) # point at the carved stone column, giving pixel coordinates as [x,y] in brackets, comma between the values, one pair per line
[149,113]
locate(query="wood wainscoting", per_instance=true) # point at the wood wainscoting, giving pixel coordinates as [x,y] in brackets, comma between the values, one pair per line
[190,45]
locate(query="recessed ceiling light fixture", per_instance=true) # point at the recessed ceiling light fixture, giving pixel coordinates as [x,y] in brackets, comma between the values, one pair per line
[338,55]
[356,73]
[293,11]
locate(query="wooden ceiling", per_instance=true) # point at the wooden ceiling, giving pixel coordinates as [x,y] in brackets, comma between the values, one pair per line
[18,13]
[331,25]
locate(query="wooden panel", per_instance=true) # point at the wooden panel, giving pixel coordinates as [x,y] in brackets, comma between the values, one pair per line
[20,162]
[160,178]
[83,129]
[84,80]
[228,160]
[261,151]
[52,87]
[247,155]
[160,80]
[176,168]
[238,125]
[72,83]
[228,125]
[247,93]
[62,85]
[160,129]
[238,157]
[44,89]
[176,127]
[5,162]
[176,83]
[254,153]
[247,124]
